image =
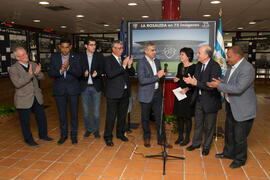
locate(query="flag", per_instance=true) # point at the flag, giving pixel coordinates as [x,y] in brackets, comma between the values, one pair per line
[122,36]
[219,52]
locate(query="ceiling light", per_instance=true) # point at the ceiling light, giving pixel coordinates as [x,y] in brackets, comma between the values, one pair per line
[145,16]
[81,30]
[63,27]
[132,4]
[117,29]
[43,3]
[36,20]
[79,16]
[252,22]
[206,15]
[12,22]
[106,25]
[227,33]
[215,2]
[240,28]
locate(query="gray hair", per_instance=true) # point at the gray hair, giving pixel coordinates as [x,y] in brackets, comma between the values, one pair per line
[147,44]
[209,51]
[116,42]
[15,52]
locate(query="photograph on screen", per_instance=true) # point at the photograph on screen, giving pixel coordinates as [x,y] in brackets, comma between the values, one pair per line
[169,37]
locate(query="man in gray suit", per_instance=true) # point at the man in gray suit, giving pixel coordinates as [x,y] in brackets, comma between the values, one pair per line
[28,97]
[241,105]
[149,94]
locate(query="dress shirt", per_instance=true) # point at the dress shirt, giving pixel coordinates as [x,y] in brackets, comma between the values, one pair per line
[64,59]
[89,58]
[204,65]
[120,62]
[154,68]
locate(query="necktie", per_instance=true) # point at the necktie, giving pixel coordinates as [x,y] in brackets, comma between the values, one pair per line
[203,65]
[120,61]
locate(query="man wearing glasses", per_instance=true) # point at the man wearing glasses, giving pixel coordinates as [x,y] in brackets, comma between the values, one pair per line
[91,87]
[117,92]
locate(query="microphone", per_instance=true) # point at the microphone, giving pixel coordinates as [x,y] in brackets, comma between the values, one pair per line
[165,67]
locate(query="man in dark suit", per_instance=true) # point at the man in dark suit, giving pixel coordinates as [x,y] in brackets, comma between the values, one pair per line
[117,92]
[207,100]
[28,97]
[65,68]
[240,103]
[91,86]
[149,94]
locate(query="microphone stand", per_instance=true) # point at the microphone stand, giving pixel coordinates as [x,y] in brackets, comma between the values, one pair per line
[164,153]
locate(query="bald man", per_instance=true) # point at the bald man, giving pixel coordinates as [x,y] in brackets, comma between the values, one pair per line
[207,100]
[240,103]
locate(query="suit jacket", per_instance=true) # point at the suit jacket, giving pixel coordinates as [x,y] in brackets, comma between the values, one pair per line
[97,65]
[210,97]
[69,85]
[147,80]
[117,77]
[26,85]
[240,89]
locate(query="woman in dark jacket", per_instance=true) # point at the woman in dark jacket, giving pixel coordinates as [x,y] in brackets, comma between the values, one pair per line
[182,109]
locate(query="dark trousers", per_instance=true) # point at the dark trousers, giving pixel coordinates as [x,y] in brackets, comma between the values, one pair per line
[116,109]
[182,121]
[24,116]
[62,102]
[236,133]
[155,106]
[204,122]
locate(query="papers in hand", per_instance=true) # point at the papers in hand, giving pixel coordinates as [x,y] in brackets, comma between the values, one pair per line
[178,95]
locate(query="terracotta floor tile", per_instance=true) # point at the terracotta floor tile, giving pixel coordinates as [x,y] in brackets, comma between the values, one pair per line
[10,173]
[19,154]
[118,163]
[194,177]
[132,174]
[40,165]
[83,160]
[153,175]
[100,162]
[154,165]
[68,177]
[75,169]
[211,162]
[234,172]
[94,170]
[113,172]
[237,178]
[85,177]
[252,163]
[254,172]
[48,175]
[214,170]
[75,151]
[213,177]
[5,153]
[35,155]
[194,169]
[263,156]
[175,167]
[29,174]
[106,154]
[107,178]
[8,162]
[173,176]
[67,158]
[24,163]
[50,157]
[136,164]
[59,167]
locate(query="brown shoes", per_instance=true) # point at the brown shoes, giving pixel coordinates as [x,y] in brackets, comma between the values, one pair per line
[147,143]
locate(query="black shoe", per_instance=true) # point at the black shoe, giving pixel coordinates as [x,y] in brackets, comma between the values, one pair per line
[191,148]
[97,135]
[87,134]
[74,140]
[235,165]
[147,143]
[205,152]
[178,140]
[185,142]
[123,138]
[166,144]
[223,156]
[47,139]
[62,140]
[32,143]
[109,142]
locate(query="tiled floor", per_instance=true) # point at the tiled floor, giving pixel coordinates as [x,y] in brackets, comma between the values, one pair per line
[91,159]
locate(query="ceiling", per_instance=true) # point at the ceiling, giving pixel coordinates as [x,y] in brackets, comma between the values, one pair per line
[236,13]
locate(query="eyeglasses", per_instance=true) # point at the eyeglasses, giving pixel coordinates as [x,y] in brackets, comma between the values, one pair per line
[119,48]
[91,44]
